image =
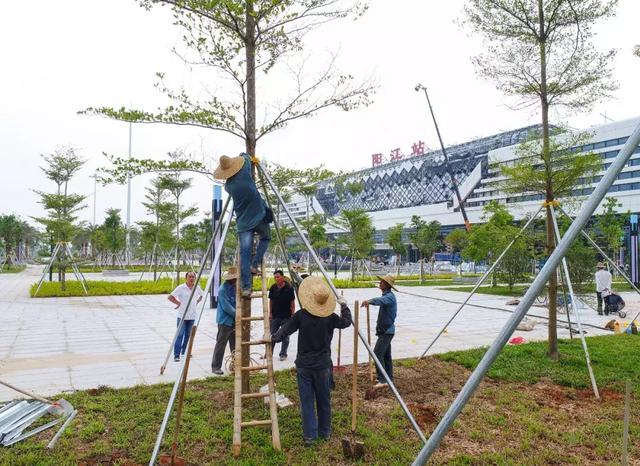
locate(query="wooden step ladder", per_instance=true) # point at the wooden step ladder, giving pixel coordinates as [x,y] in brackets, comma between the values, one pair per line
[243,368]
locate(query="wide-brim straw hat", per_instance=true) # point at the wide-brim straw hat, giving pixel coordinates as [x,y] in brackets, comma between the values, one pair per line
[600,265]
[389,279]
[316,297]
[228,166]
[231,274]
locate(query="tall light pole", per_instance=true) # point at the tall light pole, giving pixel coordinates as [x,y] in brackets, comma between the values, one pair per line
[454,183]
[95,183]
[127,236]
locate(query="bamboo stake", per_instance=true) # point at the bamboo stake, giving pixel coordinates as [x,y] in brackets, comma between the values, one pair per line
[354,370]
[625,430]
[371,375]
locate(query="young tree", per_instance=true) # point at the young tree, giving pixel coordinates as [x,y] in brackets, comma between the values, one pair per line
[236,39]
[610,227]
[541,52]
[425,237]
[358,240]
[11,231]
[61,222]
[114,233]
[394,238]
[158,206]
[176,186]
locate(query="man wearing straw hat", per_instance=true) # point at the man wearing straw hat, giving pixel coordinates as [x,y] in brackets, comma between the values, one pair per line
[603,286]
[385,326]
[251,214]
[315,323]
[225,318]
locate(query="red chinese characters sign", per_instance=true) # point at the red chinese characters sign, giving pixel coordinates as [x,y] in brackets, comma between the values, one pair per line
[417,148]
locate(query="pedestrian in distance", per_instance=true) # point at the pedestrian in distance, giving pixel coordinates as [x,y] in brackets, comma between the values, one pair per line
[282,305]
[226,319]
[315,323]
[252,214]
[385,326]
[180,296]
[603,287]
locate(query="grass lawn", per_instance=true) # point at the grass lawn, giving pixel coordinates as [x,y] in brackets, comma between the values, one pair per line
[13,269]
[531,412]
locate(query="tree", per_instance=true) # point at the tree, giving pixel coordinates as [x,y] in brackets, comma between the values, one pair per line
[394,238]
[61,223]
[357,241]
[425,237]
[610,227]
[11,231]
[456,240]
[114,233]
[237,38]
[541,52]
[159,208]
[176,186]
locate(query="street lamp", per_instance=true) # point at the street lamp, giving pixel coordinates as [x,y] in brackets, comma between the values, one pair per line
[446,158]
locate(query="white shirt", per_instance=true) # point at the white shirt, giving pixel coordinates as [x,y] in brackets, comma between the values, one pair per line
[181,293]
[603,282]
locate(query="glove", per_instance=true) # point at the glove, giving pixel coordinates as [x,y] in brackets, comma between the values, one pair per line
[342,301]
[380,330]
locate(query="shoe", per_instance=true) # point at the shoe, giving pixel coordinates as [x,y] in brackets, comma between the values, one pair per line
[308,443]
[255,271]
[246,293]
[176,358]
[381,385]
[217,372]
[283,357]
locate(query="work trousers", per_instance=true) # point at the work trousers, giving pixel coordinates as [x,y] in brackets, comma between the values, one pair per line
[225,334]
[383,352]
[315,394]
[275,324]
[180,345]
[247,260]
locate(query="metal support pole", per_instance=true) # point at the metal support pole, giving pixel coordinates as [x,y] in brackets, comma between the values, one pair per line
[216,217]
[594,385]
[176,384]
[363,338]
[201,268]
[482,279]
[589,206]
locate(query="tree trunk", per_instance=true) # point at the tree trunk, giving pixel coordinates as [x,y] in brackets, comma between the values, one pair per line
[546,157]
[421,270]
[250,147]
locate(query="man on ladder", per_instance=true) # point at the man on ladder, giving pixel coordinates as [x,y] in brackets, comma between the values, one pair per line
[252,215]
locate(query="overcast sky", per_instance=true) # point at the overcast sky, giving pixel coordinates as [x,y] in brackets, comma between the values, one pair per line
[60,57]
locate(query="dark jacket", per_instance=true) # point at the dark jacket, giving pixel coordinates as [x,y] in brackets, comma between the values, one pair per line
[314,339]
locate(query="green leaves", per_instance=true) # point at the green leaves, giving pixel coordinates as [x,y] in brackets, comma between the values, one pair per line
[425,236]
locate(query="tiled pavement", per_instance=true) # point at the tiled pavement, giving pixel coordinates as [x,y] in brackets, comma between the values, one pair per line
[51,345]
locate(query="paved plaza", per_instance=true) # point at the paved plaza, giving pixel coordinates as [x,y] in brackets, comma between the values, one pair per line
[54,345]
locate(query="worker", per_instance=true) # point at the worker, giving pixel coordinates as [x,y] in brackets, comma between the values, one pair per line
[315,323]
[603,286]
[180,297]
[252,215]
[385,327]
[226,319]
[282,305]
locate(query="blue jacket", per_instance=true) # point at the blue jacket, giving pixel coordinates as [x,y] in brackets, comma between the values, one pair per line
[248,206]
[387,314]
[226,312]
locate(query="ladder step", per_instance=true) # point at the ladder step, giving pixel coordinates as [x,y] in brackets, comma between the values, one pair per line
[254,368]
[257,294]
[264,422]
[253,318]
[255,395]
[255,342]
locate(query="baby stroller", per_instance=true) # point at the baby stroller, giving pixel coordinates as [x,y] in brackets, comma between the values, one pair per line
[614,304]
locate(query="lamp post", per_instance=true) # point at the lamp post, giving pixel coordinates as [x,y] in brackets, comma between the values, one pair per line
[454,183]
